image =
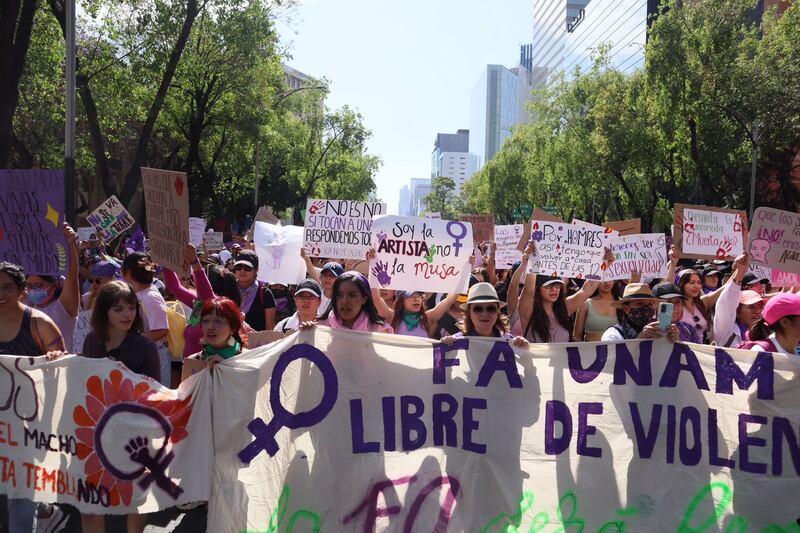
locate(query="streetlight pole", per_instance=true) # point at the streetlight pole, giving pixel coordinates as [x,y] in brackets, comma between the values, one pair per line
[754,155]
[69,129]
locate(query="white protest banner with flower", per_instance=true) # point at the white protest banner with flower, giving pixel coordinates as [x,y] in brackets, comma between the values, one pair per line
[421,254]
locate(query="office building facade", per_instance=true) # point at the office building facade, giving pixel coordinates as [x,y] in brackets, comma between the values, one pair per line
[451,158]
[495,109]
[550,21]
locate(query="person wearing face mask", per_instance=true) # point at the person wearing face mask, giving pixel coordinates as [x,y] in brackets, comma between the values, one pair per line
[59,301]
[636,311]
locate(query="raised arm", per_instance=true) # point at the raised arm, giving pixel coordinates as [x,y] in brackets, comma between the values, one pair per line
[575,301]
[578,331]
[311,272]
[441,308]
[490,269]
[71,291]
[386,312]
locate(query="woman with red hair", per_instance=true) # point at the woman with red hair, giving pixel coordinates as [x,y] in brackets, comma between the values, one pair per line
[221,320]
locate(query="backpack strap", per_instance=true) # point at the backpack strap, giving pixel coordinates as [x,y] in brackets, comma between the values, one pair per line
[729,342]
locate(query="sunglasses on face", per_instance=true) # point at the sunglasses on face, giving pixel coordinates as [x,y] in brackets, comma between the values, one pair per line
[242,267]
[478,309]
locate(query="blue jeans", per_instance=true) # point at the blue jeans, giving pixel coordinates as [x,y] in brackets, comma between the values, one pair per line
[165,361]
[20,515]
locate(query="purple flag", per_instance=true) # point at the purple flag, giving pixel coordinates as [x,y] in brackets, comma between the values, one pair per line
[135,242]
[31,214]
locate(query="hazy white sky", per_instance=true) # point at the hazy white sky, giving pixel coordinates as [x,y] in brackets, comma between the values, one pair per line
[408,67]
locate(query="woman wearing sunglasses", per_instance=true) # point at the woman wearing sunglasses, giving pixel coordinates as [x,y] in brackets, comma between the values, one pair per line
[483,317]
[258,303]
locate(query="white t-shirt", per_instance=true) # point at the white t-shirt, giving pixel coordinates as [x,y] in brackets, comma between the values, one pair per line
[154,310]
[324,303]
[774,339]
[290,323]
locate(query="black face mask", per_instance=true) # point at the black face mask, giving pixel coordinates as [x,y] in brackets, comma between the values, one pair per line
[639,317]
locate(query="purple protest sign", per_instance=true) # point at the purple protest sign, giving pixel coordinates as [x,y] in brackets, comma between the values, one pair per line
[31,214]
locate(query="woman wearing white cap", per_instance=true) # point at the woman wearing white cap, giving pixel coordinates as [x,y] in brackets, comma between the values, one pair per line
[483,317]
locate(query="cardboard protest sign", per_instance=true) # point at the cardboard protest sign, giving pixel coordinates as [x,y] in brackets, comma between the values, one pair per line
[506,239]
[644,253]
[86,234]
[92,434]
[784,279]
[213,241]
[166,196]
[278,250]
[625,227]
[709,233]
[339,229]
[538,214]
[487,437]
[482,227]
[568,250]
[197,227]
[111,219]
[421,254]
[775,239]
[31,214]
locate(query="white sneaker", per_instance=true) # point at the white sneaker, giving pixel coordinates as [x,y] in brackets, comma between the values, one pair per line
[53,523]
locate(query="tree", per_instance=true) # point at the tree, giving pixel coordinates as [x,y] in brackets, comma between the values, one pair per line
[441,197]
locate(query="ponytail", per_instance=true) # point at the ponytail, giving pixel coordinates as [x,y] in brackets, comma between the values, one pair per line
[760,330]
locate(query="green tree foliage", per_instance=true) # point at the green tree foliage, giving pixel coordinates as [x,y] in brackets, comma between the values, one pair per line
[191,85]
[607,145]
[441,199]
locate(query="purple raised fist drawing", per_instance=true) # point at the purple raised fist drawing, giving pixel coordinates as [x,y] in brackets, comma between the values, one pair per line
[381,274]
[139,450]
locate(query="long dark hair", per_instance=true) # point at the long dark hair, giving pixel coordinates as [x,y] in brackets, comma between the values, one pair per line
[400,310]
[140,267]
[540,321]
[223,283]
[698,303]
[361,282]
[109,295]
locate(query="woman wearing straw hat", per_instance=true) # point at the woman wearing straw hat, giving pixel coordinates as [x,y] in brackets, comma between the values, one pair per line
[483,317]
[636,311]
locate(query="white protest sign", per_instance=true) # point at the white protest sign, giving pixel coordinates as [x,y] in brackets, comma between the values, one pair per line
[92,434]
[775,239]
[278,249]
[421,254]
[110,219]
[709,232]
[645,253]
[506,239]
[197,227]
[339,228]
[86,234]
[213,240]
[82,328]
[568,250]
[484,436]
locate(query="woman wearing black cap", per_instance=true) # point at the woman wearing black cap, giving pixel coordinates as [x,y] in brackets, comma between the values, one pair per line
[258,304]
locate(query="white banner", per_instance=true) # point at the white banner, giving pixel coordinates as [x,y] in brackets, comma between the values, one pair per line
[197,226]
[278,249]
[568,250]
[645,253]
[339,229]
[421,254]
[711,234]
[414,436]
[82,328]
[506,239]
[92,434]
[110,219]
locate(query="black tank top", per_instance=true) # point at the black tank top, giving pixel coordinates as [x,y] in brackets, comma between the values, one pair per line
[24,343]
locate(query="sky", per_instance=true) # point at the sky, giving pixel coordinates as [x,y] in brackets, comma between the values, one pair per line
[408,67]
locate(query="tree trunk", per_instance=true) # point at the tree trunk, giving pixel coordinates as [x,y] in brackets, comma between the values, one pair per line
[16,25]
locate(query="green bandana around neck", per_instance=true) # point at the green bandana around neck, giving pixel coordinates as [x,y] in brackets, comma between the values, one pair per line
[412,320]
[226,352]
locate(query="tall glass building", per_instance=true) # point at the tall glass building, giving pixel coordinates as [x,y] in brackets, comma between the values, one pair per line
[550,19]
[620,25]
[494,110]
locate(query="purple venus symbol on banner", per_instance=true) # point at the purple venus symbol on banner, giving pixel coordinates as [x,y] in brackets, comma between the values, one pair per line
[265,433]
[457,237]
[139,463]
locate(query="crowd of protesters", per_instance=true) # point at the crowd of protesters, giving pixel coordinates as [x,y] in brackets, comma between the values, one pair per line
[150,318]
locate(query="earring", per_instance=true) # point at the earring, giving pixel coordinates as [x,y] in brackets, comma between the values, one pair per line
[231,341]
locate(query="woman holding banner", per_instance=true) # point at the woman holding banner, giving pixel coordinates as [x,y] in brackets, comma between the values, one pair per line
[221,321]
[27,332]
[483,318]
[352,307]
